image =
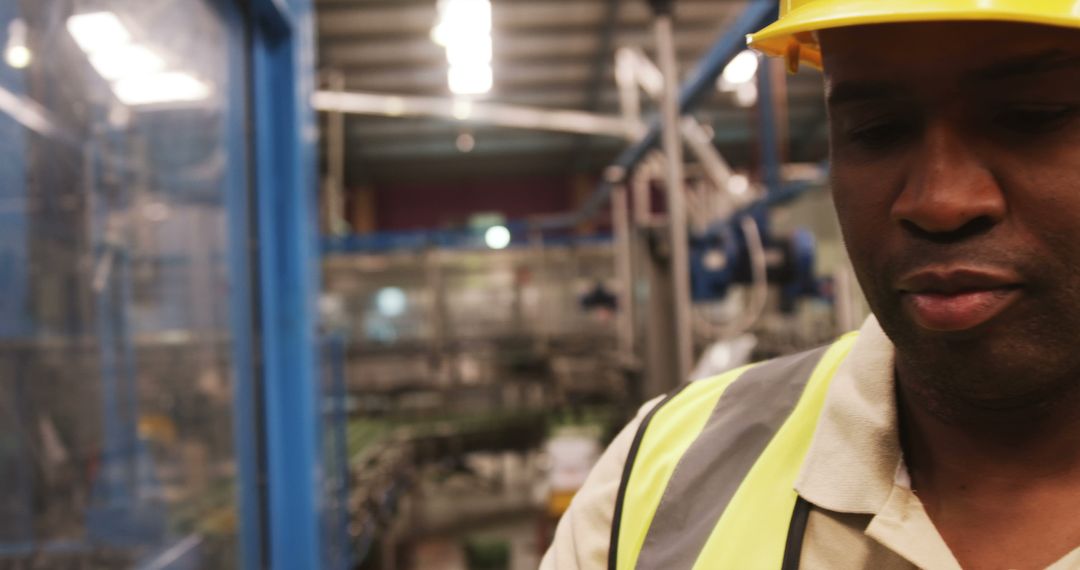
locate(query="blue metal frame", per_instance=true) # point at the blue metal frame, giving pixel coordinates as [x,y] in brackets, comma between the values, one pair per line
[15,321]
[337,547]
[416,240]
[282,75]
[238,205]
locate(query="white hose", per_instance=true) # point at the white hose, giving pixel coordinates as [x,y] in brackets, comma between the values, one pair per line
[759,291]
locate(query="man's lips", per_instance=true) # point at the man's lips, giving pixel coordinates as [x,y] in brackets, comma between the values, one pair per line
[957,299]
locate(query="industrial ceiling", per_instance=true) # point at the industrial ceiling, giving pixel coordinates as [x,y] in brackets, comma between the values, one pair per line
[556,54]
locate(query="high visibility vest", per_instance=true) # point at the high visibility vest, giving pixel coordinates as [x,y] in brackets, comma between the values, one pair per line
[709,482]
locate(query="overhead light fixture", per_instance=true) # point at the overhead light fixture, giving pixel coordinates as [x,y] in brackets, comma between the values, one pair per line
[96,31]
[167,87]
[18,56]
[16,52]
[137,74]
[470,80]
[464,29]
[746,94]
[126,61]
[497,237]
[461,20]
[469,51]
[741,69]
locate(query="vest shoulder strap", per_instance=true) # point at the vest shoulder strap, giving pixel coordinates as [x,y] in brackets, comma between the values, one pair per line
[716,448]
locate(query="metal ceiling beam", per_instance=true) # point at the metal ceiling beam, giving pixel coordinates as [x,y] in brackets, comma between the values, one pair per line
[491,113]
[434,77]
[500,145]
[581,43]
[730,126]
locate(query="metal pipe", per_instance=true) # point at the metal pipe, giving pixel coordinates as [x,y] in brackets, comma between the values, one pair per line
[716,168]
[334,194]
[676,197]
[641,186]
[624,322]
[475,111]
[629,98]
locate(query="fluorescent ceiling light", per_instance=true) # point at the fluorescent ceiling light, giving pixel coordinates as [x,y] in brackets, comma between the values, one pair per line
[16,53]
[464,29]
[472,51]
[166,87]
[126,61]
[746,95]
[457,17]
[18,56]
[97,31]
[741,69]
[497,237]
[439,34]
[470,80]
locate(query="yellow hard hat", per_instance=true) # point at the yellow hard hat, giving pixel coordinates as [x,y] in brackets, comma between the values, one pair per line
[792,35]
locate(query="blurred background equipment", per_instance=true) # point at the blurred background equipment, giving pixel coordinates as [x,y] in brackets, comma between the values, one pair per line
[528,288]
[379,300]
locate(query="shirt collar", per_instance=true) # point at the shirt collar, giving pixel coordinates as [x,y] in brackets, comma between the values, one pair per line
[853,459]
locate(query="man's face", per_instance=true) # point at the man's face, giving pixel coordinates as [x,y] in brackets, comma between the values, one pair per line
[956,175]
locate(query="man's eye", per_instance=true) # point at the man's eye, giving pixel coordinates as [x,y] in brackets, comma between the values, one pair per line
[1034,119]
[881,134]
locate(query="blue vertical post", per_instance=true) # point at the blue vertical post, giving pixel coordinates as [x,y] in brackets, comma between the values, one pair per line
[339,430]
[16,322]
[767,125]
[282,82]
[239,201]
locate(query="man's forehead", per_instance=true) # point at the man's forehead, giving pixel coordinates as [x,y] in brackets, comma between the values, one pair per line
[953,50]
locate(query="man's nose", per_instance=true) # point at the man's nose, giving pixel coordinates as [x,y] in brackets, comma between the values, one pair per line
[948,188]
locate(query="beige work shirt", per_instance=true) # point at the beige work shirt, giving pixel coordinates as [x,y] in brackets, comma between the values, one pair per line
[864,514]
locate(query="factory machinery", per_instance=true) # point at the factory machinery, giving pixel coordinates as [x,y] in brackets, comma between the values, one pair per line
[454,349]
[458,354]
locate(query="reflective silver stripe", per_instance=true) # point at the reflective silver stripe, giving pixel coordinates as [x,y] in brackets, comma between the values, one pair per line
[745,419]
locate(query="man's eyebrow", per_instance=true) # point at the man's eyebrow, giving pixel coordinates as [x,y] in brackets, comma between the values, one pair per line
[856,91]
[1043,62]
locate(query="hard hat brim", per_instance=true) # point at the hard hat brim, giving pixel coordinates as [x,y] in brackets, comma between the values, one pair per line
[797,26]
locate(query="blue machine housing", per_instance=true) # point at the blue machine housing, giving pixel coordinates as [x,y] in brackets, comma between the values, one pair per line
[721,258]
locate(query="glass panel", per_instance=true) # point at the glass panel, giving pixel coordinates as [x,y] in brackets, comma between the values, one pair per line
[334,493]
[117,368]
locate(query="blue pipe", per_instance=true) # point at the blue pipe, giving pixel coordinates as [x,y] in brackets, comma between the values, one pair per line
[758,14]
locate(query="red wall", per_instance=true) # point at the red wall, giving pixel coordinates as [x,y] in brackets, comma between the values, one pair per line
[430,206]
